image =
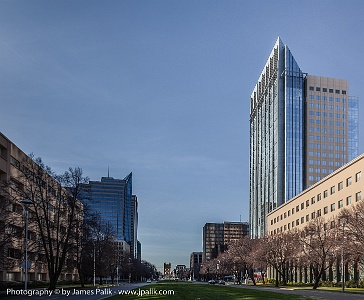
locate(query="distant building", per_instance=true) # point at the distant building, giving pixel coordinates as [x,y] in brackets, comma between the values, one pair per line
[118,207]
[180,272]
[195,264]
[134,228]
[167,270]
[217,236]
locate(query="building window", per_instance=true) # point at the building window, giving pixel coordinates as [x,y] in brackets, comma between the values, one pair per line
[357,176]
[340,186]
[326,210]
[319,213]
[313,215]
[358,196]
[331,91]
[348,200]
[332,190]
[3,152]
[324,90]
[325,194]
[318,198]
[348,181]
[308,203]
[311,88]
[302,220]
[340,204]
[333,207]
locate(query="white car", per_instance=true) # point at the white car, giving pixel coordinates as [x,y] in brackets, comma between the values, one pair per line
[149,281]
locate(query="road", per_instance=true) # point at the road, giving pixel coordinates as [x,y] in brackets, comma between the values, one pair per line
[75,293]
[317,294]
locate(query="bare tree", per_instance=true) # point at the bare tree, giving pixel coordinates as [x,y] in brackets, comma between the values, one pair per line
[241,252]
[318,241]
[55,212]
[279,251]
[353,225]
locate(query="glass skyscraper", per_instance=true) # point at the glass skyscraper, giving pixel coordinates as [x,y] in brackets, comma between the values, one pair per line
[299,133]
[113,199]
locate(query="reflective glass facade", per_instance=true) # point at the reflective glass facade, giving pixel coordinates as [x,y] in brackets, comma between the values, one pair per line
[353,106]
[112,198]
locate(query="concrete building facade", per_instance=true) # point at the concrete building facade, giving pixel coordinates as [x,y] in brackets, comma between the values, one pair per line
[326,198]
[21,177]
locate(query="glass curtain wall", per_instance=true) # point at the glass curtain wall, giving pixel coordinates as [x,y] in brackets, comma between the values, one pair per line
[294,125]
[353,134]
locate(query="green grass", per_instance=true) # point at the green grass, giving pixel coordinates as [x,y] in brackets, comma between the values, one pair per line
[191,291]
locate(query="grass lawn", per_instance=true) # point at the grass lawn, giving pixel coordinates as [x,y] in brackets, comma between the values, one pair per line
[193,291]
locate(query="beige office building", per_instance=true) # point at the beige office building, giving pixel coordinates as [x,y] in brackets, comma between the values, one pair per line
[327,135]
[326,198]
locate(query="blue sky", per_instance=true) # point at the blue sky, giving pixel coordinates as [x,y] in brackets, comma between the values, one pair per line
[161,89]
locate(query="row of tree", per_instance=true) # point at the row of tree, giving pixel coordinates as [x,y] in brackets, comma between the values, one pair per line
[309,255]
[63,233]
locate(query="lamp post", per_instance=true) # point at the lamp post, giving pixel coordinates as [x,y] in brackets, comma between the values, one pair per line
[94,263]
[25,203]
[342,259]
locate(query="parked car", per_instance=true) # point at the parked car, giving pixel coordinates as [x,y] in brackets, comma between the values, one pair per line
[149,281]
[211,281]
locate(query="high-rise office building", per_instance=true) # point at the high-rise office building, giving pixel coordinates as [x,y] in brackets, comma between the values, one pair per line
[299,133]
[113,199]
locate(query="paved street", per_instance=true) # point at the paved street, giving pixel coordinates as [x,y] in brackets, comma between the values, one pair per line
[75,293]
[319,294]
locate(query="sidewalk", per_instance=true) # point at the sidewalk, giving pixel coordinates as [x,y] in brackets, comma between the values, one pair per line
[320,294]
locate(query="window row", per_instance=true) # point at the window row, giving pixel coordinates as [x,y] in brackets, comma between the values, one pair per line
[326,122]
[326,130]
[315,214]
[319,89]
[318,198]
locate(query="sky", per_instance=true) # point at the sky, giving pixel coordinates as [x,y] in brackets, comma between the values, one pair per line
[161,89]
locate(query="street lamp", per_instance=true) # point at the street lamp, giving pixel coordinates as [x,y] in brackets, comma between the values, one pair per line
[94,263]
[342,257]
[25,203]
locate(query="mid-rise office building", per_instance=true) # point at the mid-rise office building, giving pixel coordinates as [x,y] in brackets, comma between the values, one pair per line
[217,236]
[299,133]
[326,198]
[32,200]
